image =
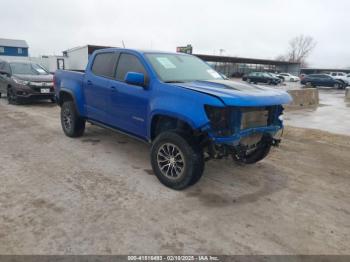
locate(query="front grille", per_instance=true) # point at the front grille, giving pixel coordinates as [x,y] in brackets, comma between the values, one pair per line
[254,117]
[231,120]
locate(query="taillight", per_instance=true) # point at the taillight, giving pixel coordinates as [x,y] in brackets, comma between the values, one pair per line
[54,81]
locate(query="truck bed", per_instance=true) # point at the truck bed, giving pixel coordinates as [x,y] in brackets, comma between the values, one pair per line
[69,79]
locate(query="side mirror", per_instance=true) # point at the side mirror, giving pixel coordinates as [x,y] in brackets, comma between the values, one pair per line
[134,78]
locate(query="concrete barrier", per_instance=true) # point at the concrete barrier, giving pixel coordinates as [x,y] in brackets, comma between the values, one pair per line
[304,97]
[347,93]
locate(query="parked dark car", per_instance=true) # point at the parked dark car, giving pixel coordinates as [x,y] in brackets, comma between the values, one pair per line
[25,80]
[261,77]
[315,80]
[281,79]
[237,74]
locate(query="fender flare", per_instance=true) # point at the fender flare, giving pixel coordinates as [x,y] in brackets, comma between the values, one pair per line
[169,114]
[71,93]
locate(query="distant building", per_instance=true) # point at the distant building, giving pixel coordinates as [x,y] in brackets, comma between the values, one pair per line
[51,62]
[12,48]
[238,66]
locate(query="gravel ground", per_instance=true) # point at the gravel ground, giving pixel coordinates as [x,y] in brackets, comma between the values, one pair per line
[97,195]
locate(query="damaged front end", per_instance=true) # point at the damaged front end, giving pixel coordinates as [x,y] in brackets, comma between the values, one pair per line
[245,133]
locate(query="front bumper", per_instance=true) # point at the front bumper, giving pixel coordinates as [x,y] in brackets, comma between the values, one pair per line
[231,124]
[235,138]
[33,92]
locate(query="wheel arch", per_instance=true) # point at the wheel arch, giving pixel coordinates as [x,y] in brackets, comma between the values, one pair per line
[163,121]
[68,95]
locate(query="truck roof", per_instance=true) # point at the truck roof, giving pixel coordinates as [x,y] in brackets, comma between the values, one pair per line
[140,51]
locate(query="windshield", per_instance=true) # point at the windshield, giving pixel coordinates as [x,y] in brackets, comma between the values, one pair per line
[27,69]
[181,68]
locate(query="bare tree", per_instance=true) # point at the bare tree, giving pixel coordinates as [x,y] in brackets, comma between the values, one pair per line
[300,48]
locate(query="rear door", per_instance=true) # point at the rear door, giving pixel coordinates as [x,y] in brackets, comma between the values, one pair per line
[253,77]
[128,104]
[262,77]
[97,85]
[317,80]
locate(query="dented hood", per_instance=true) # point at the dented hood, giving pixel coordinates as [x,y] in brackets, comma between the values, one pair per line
[239,94]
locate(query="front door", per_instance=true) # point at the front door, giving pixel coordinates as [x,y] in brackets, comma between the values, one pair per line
[128,104]
[328,81]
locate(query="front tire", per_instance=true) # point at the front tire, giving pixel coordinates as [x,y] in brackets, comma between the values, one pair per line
[255,155]
[309,84]
[338,86]
[12,98]
[177,162]
[72,124]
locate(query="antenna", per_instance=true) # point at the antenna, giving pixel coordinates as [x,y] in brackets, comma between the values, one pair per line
[123,43]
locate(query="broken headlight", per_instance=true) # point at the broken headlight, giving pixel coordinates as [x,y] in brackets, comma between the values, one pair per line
[220,120]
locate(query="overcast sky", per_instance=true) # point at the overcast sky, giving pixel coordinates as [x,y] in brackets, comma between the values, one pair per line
[247,28]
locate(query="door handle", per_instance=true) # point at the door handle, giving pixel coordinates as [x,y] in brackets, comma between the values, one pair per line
[113,88]
[89,82]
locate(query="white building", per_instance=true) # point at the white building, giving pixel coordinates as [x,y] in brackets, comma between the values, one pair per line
[52,62]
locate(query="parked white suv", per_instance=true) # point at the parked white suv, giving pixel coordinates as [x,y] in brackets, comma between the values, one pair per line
[289,77]
[340,76]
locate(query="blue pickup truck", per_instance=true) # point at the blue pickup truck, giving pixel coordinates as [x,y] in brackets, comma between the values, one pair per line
[177,103]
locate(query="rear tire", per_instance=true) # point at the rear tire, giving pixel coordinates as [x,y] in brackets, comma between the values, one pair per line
[72,124]
[177,162]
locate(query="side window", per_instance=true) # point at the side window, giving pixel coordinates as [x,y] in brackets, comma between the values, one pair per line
[4,66]
[104,64]
[129,63]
